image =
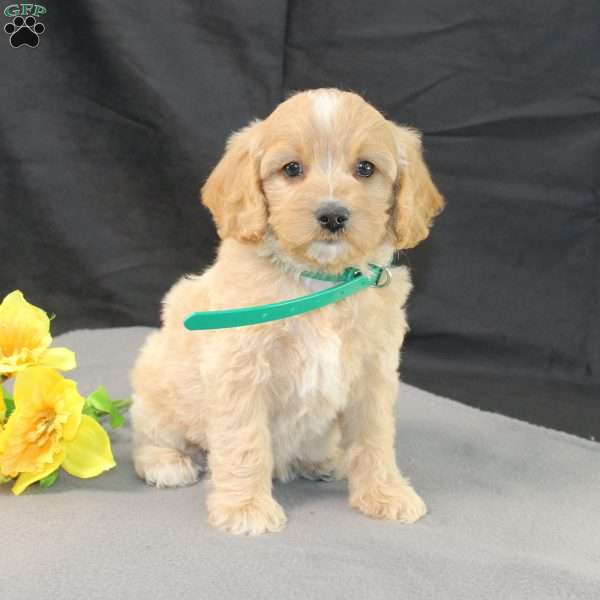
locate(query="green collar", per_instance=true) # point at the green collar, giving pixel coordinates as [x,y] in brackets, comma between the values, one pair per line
[352,280]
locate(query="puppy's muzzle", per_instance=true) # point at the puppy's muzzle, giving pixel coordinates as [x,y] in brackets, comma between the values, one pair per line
[332,216]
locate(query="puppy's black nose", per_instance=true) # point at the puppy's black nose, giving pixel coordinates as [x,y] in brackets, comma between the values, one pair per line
[332,217]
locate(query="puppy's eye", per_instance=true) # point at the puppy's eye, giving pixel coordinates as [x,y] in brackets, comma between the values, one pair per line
[293,169]
[364,168]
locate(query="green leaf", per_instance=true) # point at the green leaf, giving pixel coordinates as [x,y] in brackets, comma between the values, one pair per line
[99,403]
[116,419]
[102,404]
[9,403]
[49,480]
[100,400]
[120,404]
[90,411]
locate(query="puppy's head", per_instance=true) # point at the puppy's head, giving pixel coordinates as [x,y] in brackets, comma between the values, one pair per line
[329,176]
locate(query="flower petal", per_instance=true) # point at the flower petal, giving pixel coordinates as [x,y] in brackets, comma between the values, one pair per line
[22,325]
[33,384]
[73,405]
[62,359]
[89,454]
[26,479]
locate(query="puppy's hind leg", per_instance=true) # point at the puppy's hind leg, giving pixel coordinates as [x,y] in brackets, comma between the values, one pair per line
[161,456]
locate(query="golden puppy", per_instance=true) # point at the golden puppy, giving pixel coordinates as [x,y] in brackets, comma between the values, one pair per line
[325,182]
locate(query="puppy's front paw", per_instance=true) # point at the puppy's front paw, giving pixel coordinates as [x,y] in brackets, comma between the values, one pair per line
[262,514]
[397,502]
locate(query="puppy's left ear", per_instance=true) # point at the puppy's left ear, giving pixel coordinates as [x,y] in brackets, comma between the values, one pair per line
[417,198]
[233,192]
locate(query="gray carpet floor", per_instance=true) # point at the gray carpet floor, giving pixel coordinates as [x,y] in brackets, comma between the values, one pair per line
[514,513]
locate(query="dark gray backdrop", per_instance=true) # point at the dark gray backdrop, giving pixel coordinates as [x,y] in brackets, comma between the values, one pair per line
[109,127]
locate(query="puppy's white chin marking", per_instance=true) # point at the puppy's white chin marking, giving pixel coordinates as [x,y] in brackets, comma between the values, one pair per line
[327,252]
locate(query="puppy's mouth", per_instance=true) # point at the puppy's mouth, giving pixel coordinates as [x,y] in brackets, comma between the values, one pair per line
[331,238]
[327,251]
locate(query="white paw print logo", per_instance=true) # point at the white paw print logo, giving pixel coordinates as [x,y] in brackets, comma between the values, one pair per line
[24,32]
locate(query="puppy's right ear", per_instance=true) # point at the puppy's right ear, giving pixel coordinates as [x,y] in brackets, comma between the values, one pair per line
[233,192]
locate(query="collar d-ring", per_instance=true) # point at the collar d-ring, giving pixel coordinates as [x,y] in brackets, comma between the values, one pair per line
[384,279]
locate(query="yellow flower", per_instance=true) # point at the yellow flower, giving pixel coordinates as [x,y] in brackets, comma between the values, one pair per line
[25,338]
[47,431]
